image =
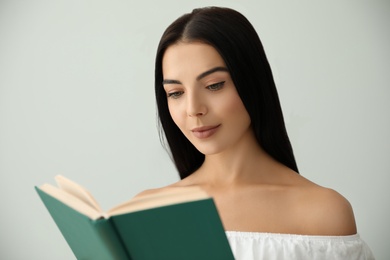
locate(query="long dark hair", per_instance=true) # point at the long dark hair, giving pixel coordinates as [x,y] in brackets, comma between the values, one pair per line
[233,36]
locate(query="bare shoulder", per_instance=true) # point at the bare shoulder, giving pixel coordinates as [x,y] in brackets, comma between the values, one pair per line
[160,190]
[155,191]
[327,212]
[148,192]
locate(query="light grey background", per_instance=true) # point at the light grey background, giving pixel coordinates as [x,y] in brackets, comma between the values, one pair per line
[76,98]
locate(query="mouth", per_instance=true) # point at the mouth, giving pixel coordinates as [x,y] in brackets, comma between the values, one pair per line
[205,131]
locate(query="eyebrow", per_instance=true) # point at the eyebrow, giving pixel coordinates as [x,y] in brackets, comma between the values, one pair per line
[202,75]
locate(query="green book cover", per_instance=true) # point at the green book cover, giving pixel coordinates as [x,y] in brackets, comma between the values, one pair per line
[88,239]
[189,230]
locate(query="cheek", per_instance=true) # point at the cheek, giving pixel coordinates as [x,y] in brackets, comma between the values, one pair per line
[234,106]
[175,114]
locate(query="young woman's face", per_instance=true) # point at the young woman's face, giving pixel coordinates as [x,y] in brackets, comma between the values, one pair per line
[202,99]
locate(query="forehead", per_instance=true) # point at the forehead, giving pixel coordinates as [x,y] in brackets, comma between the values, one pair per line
[190,59]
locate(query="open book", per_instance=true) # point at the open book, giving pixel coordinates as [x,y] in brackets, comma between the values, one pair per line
[179,223]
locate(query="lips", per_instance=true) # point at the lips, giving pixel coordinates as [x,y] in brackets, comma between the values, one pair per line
[205,131]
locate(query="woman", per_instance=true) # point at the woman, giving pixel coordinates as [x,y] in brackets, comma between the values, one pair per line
[221,117]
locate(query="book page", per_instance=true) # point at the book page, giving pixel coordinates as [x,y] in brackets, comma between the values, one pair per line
[169,197]
[78,198]
[72,201]
[78,191]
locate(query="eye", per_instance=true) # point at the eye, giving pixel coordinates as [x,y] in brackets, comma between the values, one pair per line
[216,86]
[175,95]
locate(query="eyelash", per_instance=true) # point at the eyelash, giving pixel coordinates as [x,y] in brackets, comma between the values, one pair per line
[175,94]
[212,87]
[216,86]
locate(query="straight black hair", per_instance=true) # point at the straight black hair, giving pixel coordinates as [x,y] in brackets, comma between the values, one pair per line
[235,39]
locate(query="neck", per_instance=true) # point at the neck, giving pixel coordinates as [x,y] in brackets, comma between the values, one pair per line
[245,163]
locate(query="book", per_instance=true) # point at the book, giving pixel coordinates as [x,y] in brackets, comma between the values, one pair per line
[179,223]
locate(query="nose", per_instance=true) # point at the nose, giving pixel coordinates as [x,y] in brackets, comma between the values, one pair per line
[196,106]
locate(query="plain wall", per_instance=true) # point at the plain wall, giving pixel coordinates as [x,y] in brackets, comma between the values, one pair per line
[77,98]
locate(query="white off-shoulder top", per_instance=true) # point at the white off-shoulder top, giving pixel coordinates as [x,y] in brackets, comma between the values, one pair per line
[270,246]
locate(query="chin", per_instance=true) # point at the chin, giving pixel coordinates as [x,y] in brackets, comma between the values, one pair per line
[208,150]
